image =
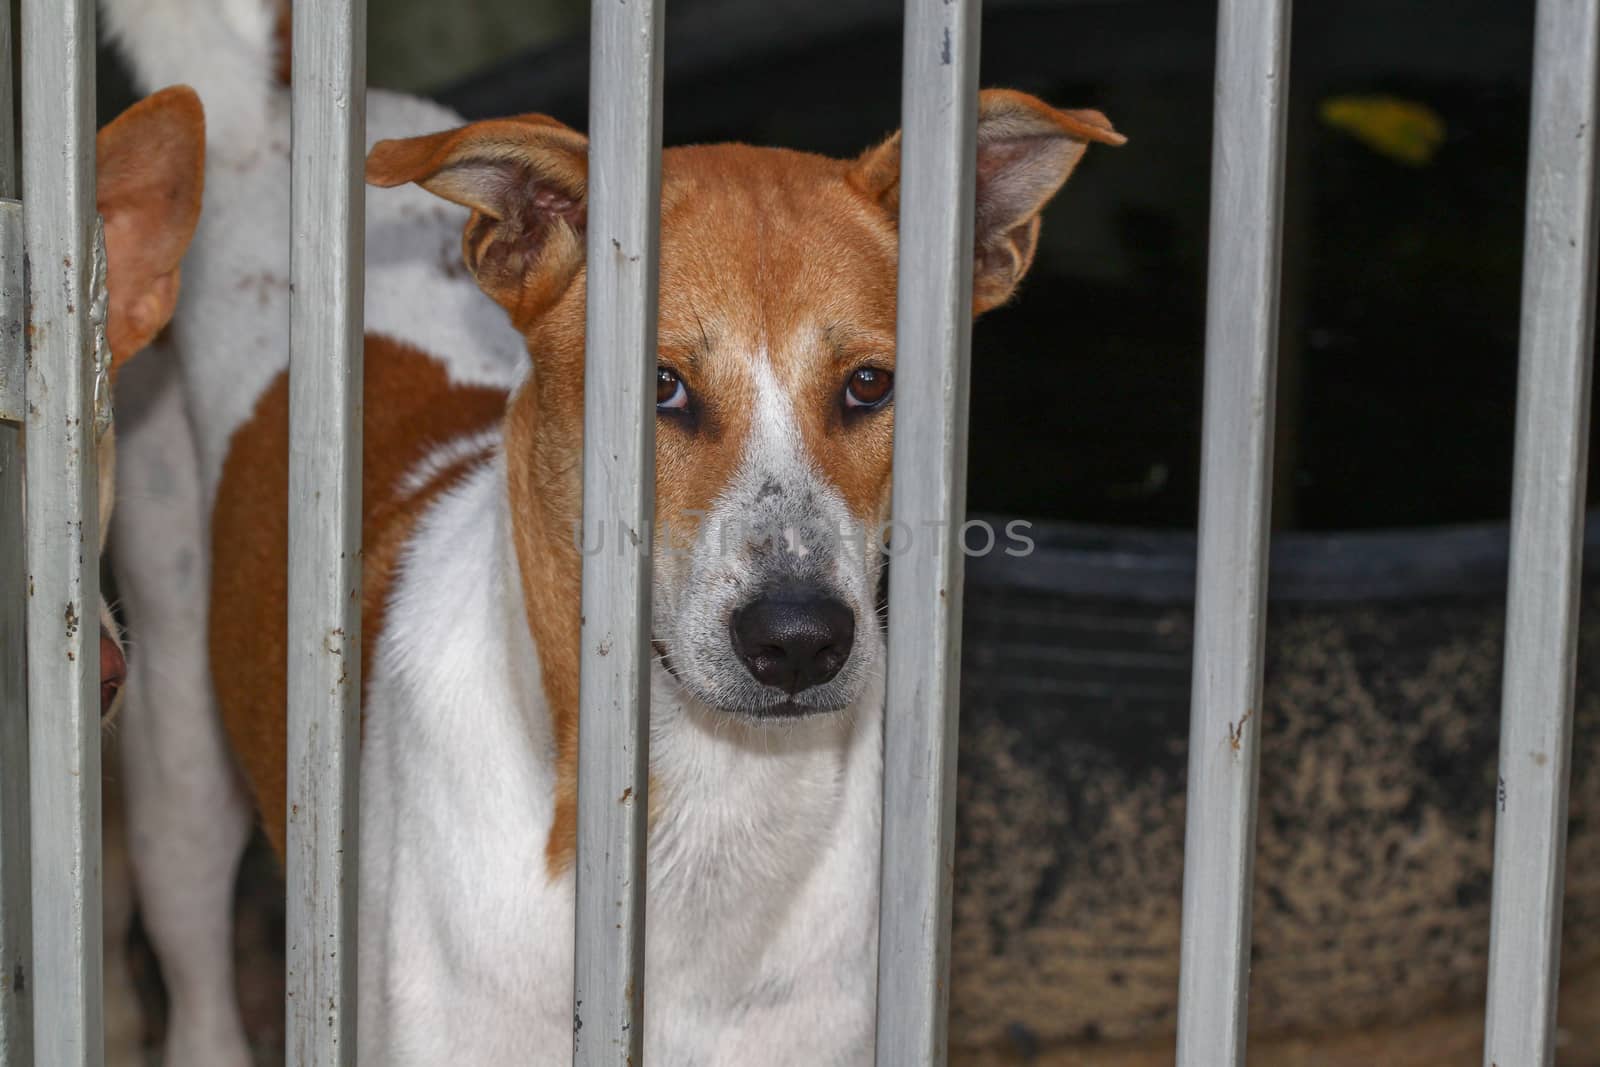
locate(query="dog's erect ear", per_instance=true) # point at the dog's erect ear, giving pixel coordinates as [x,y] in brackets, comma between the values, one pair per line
[150,175]
[1026,151]
[524,179]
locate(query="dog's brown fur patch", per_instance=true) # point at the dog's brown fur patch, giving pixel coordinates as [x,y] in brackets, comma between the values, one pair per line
[411,409]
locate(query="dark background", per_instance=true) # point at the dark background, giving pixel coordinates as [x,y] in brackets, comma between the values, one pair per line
[1401,282]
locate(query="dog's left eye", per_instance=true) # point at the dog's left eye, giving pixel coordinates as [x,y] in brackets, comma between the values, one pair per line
[868,388]
[671,393]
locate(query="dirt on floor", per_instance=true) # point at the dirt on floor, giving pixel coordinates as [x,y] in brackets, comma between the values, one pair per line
[1448,1040]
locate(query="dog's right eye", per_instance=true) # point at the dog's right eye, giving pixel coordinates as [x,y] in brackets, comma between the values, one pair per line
[868,389]
[671,393]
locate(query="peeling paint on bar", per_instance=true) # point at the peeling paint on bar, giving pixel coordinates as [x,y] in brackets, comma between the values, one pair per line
[1547,511]
[619,486]
[324,685]
[61,516]
[939,101]
[1235,508]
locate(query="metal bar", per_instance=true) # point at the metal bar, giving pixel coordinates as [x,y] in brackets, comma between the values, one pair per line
[618,500]
[1235,508]
[325,372]
[16,914]
[1547,505]
[16,934]
[64,373]
[11,347]
[939,104]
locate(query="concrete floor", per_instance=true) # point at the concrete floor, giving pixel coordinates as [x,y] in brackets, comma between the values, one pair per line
[1451,1039]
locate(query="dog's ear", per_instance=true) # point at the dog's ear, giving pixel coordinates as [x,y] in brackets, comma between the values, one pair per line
[524,179]
[1026,151]
[149,180]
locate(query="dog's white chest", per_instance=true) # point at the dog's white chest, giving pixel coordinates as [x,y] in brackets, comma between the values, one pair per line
[763,906]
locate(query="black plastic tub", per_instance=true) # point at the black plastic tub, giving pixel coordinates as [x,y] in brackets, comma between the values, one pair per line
[1378,784]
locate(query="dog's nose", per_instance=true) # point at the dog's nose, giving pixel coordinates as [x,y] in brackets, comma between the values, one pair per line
[113,671]
[794,637]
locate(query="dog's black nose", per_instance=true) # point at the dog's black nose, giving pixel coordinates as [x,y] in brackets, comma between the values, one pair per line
[794,637]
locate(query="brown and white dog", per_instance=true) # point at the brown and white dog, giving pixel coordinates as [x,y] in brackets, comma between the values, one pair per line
[775,410]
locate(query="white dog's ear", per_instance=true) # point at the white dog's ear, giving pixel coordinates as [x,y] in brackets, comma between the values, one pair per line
[1026,151]
[150,177]
[525,180]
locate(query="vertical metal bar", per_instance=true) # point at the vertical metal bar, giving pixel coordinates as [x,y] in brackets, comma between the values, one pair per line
[16,934]
[16,919]
[62,517]
[325,362]
[619,503]
[1235,508]
[1546,538]
[939,104]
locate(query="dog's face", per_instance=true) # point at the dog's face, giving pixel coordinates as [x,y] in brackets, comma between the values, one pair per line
[776,361]
[150,164]
[774,430]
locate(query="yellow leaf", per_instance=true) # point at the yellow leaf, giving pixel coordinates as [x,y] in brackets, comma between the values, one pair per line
[1403,130]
